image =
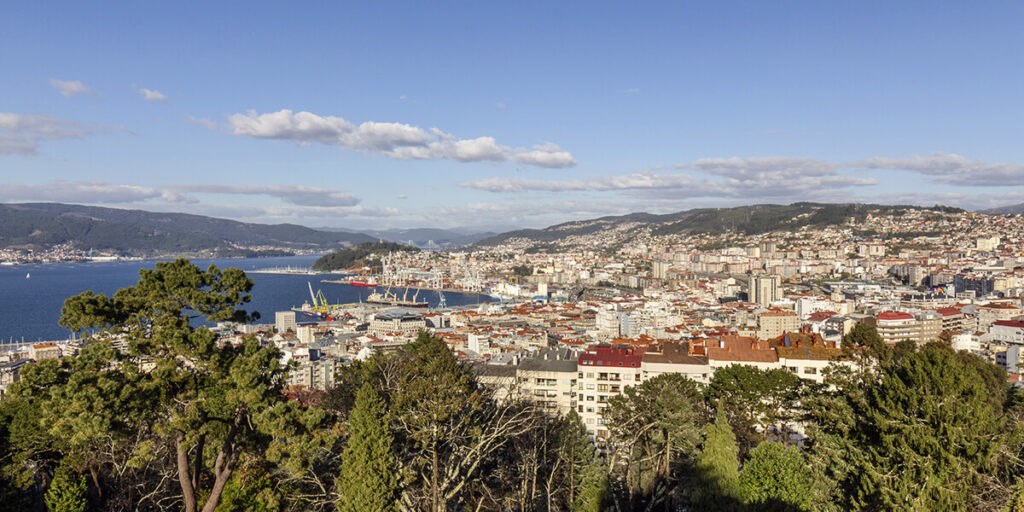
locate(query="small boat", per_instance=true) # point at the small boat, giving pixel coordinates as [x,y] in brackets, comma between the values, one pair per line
[28,276]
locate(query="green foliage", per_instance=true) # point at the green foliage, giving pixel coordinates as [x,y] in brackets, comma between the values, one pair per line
[775,478]
[67,492]
[175,390]
[594,489]
[577,452]
[654,429]
[928,454]
[522,270]
[251,489]
[756,401]
[919,432]
[1016,503]
[716,486]
[367,481]
[864,336]
[356,256]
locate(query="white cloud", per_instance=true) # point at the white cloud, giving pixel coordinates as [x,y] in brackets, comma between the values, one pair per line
[99,192]
[952,169]
[292,194]
[546,155]
[22,134]
[77,192]
[70,88]
[762,167]
[633,90]
[734,177]
[395,140]
[152,95]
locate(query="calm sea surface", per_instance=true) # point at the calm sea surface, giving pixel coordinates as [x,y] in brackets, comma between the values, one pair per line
[30,307]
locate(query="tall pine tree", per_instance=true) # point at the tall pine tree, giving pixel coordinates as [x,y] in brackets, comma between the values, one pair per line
[717,479]
[368,480]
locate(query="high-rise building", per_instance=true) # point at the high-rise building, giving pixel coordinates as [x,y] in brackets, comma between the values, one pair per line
[764,289]
[285,321]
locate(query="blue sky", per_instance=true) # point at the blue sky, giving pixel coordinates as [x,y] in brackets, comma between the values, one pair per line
[516,114]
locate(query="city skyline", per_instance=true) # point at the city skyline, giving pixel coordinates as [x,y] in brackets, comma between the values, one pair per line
[404,115]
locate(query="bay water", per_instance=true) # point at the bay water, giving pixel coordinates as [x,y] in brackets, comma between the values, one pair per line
[31,296]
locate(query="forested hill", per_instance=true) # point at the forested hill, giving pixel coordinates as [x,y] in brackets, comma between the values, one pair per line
[364,254]
[136,232]
[749,220]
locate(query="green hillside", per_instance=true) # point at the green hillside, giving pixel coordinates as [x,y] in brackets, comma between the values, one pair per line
[748,220]
[138,232]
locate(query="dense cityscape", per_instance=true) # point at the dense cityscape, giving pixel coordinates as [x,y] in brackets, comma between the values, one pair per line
[528,256]
[580,330]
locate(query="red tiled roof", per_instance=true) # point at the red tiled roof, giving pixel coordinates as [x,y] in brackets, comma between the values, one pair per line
[1019,324]
[895,315]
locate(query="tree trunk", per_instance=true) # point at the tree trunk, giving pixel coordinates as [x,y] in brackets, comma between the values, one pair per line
[434,470]
[96,480]
[188,495]
[225,464]
[198,464]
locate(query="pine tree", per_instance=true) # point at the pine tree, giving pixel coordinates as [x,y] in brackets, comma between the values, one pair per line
[775,478]
[576,450]
[368,481]
[594,488]
[67,491]
[717,479]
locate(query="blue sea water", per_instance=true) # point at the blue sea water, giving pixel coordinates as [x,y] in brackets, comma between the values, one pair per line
[30,307]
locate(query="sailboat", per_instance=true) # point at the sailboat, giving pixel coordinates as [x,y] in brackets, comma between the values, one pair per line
[28,275]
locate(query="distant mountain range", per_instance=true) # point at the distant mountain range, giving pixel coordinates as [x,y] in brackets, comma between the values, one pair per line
[749,220]
[40,226]
[1011,209]
[141,233]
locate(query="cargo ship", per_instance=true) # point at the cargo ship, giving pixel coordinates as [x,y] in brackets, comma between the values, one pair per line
[392,299]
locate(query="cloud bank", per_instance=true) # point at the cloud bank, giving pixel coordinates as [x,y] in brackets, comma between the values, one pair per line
[394,140]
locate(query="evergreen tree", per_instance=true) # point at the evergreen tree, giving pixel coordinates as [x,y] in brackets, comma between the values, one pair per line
[368,480]
[67,491]
[756,401]
[594,488]
[864,336]
[654,428]
[775,478]
[577,452]
[717,478]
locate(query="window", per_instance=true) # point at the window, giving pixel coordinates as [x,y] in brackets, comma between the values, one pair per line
[810,371]
[602,387]
[590,398]
[792,369]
